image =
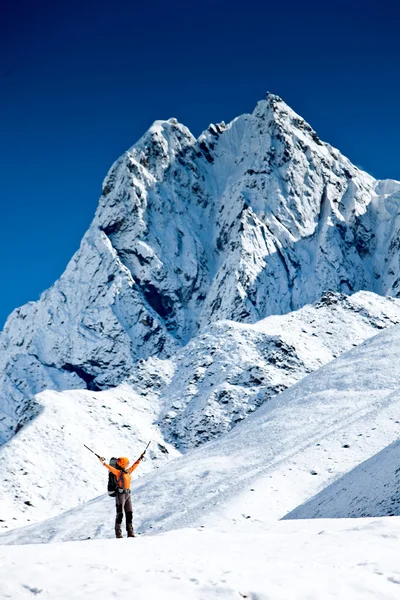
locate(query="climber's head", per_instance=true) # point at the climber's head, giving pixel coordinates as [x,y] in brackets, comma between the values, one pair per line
[123,462]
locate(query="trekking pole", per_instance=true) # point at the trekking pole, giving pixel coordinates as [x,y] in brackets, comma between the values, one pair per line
[90,450]
[145,450]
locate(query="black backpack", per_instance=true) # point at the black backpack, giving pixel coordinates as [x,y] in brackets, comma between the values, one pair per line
[112,486]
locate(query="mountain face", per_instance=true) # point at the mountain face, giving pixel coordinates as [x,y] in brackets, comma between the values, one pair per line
[254,218]
[230,369]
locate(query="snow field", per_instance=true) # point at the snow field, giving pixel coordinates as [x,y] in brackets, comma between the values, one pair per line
[301,560]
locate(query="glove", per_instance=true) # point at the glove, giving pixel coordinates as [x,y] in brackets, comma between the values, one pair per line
[102,459]
[141,457]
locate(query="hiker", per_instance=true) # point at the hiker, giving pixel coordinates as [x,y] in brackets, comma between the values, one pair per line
[123,500]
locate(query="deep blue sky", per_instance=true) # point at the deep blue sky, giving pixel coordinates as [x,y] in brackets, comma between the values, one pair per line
[81,81]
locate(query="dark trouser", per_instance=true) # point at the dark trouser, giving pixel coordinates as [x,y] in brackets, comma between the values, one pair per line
[123,503]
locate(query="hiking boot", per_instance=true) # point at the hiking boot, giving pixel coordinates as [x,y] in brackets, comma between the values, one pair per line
[118,532]
[130,531]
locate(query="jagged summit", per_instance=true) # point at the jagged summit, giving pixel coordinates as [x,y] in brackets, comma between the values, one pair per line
[253,218]
[272,104]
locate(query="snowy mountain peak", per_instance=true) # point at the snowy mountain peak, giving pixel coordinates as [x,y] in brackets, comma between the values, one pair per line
[165,137]
[282,118]
[272,105]
[254,218]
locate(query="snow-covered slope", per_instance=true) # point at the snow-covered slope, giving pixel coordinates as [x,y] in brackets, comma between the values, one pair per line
[300,560]
[230,369]
[201,392]
[45,467]
[371,489]
[254,218]
[280,456]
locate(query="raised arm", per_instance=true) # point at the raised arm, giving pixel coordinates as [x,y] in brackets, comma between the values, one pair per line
[136,464]
[109,467]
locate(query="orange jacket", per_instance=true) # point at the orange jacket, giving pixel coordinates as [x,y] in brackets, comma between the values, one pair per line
[123,478]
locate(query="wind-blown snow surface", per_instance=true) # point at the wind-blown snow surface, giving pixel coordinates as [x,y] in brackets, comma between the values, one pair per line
[370,489]
[254,218]
[201,392]
[297,560]
[282,455]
